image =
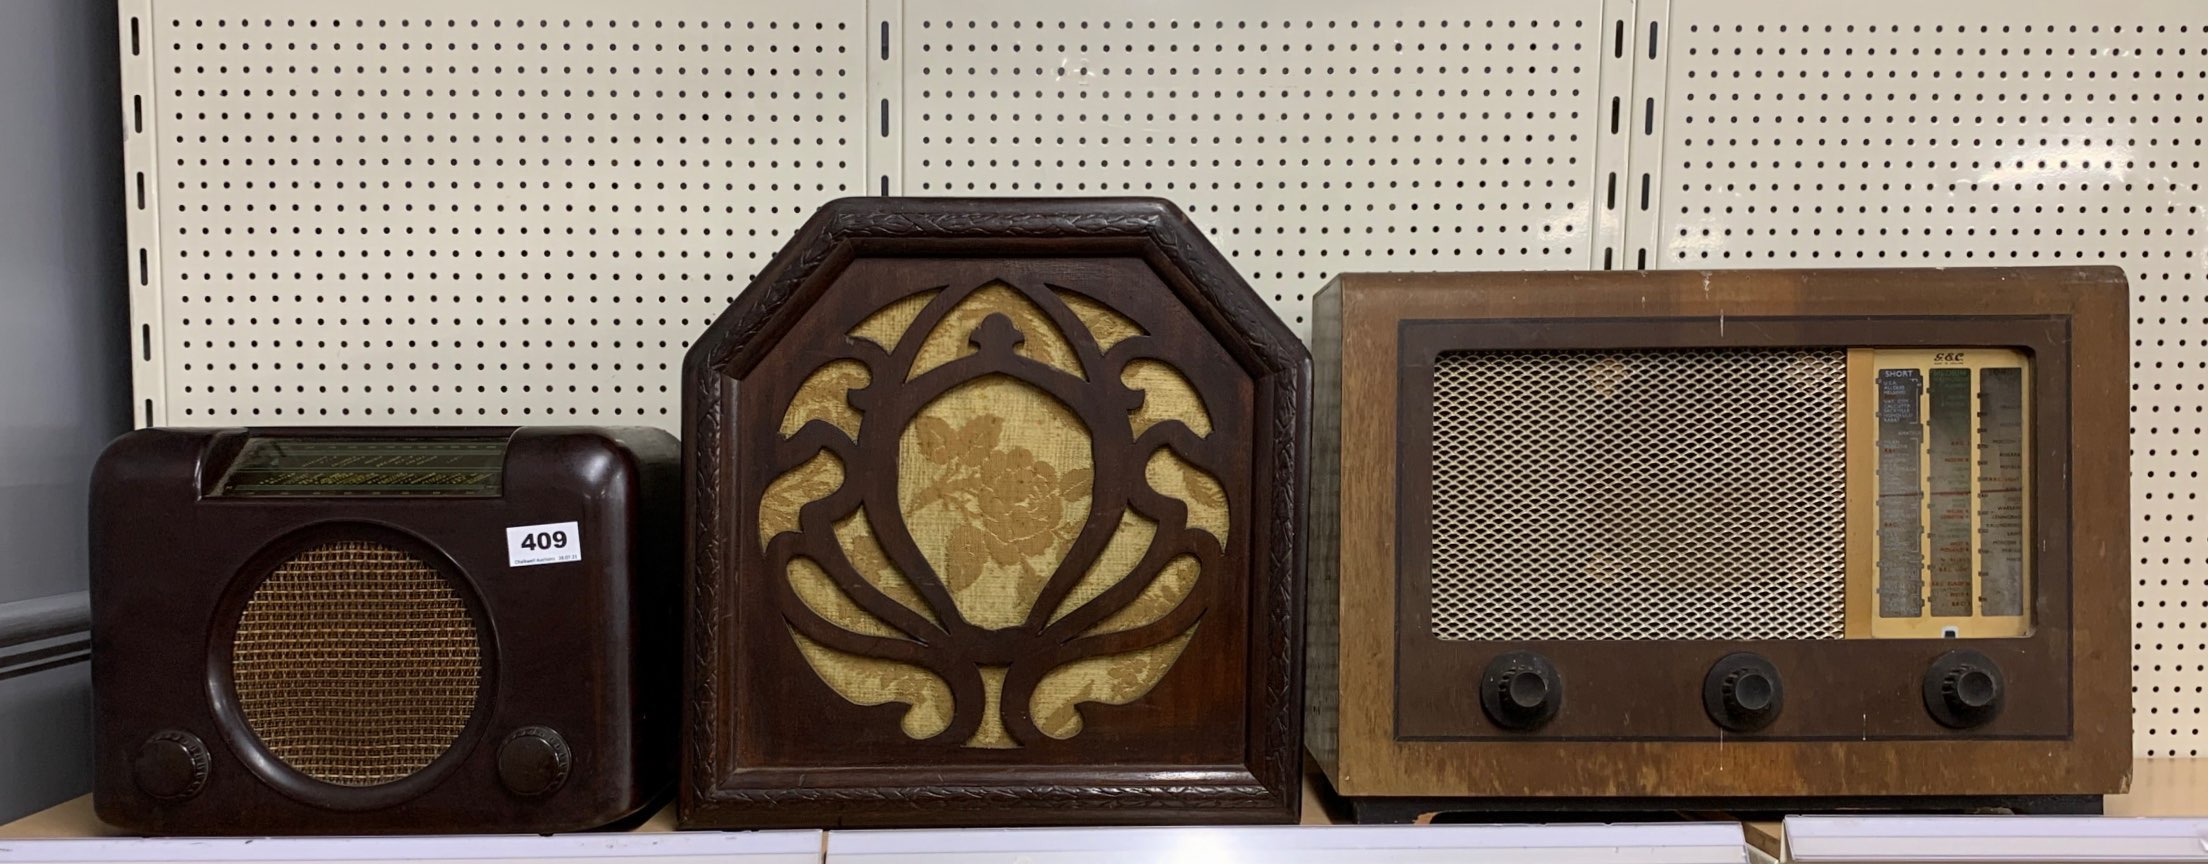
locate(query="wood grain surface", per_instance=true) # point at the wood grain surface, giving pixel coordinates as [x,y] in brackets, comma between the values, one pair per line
[2085,725]
[1218,739]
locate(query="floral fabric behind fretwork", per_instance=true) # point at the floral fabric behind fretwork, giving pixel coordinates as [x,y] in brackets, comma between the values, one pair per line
[994,481]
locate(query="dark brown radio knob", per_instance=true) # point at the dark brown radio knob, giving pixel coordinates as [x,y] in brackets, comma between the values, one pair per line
[1521,690]
[533,761]
[1963,689]
[1742,692]
[171,765]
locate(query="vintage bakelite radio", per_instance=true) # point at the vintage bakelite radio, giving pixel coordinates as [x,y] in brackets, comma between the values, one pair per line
[996,510]
[1747,539]
[368,630]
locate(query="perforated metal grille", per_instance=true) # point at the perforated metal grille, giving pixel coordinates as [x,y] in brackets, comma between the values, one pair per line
[356,664]
[1666,494]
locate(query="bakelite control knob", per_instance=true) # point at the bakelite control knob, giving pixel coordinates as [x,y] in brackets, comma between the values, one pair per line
[1742,692]
[1747,692]
[1521,690]
[170,765]
[533,761]
[1963,689]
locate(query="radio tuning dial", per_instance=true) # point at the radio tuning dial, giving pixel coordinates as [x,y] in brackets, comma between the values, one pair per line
[1963,689]
[1742,692]
[1748,691]
[1521,690]
[1968,689]
[170,765]
[533,761]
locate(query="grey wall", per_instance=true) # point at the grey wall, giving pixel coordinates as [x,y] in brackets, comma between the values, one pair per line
[64,369]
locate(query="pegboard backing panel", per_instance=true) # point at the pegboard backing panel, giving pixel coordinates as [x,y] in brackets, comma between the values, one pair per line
[1307,138]
[1890,133]
[437,212]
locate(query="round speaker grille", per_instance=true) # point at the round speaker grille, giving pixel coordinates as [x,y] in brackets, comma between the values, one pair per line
[356,663]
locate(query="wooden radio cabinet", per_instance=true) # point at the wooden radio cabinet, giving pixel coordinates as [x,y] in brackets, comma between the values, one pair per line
[996,514]
[1739,539]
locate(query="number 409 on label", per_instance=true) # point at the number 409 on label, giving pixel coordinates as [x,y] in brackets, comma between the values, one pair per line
[552,543]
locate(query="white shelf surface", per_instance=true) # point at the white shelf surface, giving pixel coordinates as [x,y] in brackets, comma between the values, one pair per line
[759,847]
[1990,839]
[1670,843]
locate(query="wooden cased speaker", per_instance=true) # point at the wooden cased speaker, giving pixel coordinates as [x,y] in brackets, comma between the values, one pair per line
[1762,539]
[383,630]
[996,510]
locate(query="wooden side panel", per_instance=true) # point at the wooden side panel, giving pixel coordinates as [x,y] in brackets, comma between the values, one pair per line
[2100,525]
[1322,643]
[1367,760]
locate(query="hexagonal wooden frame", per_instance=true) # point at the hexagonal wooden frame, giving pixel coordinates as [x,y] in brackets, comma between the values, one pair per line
[723,785]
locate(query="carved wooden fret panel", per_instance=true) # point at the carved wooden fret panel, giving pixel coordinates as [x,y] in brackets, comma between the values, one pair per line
[991,510]
[994,507]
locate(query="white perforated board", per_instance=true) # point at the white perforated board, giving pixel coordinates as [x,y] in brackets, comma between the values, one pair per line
[443,212]
[521,212]
[1307,138]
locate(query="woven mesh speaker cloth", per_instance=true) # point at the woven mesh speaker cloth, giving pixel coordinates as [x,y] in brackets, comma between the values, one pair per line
[356,663]
[1658,494]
